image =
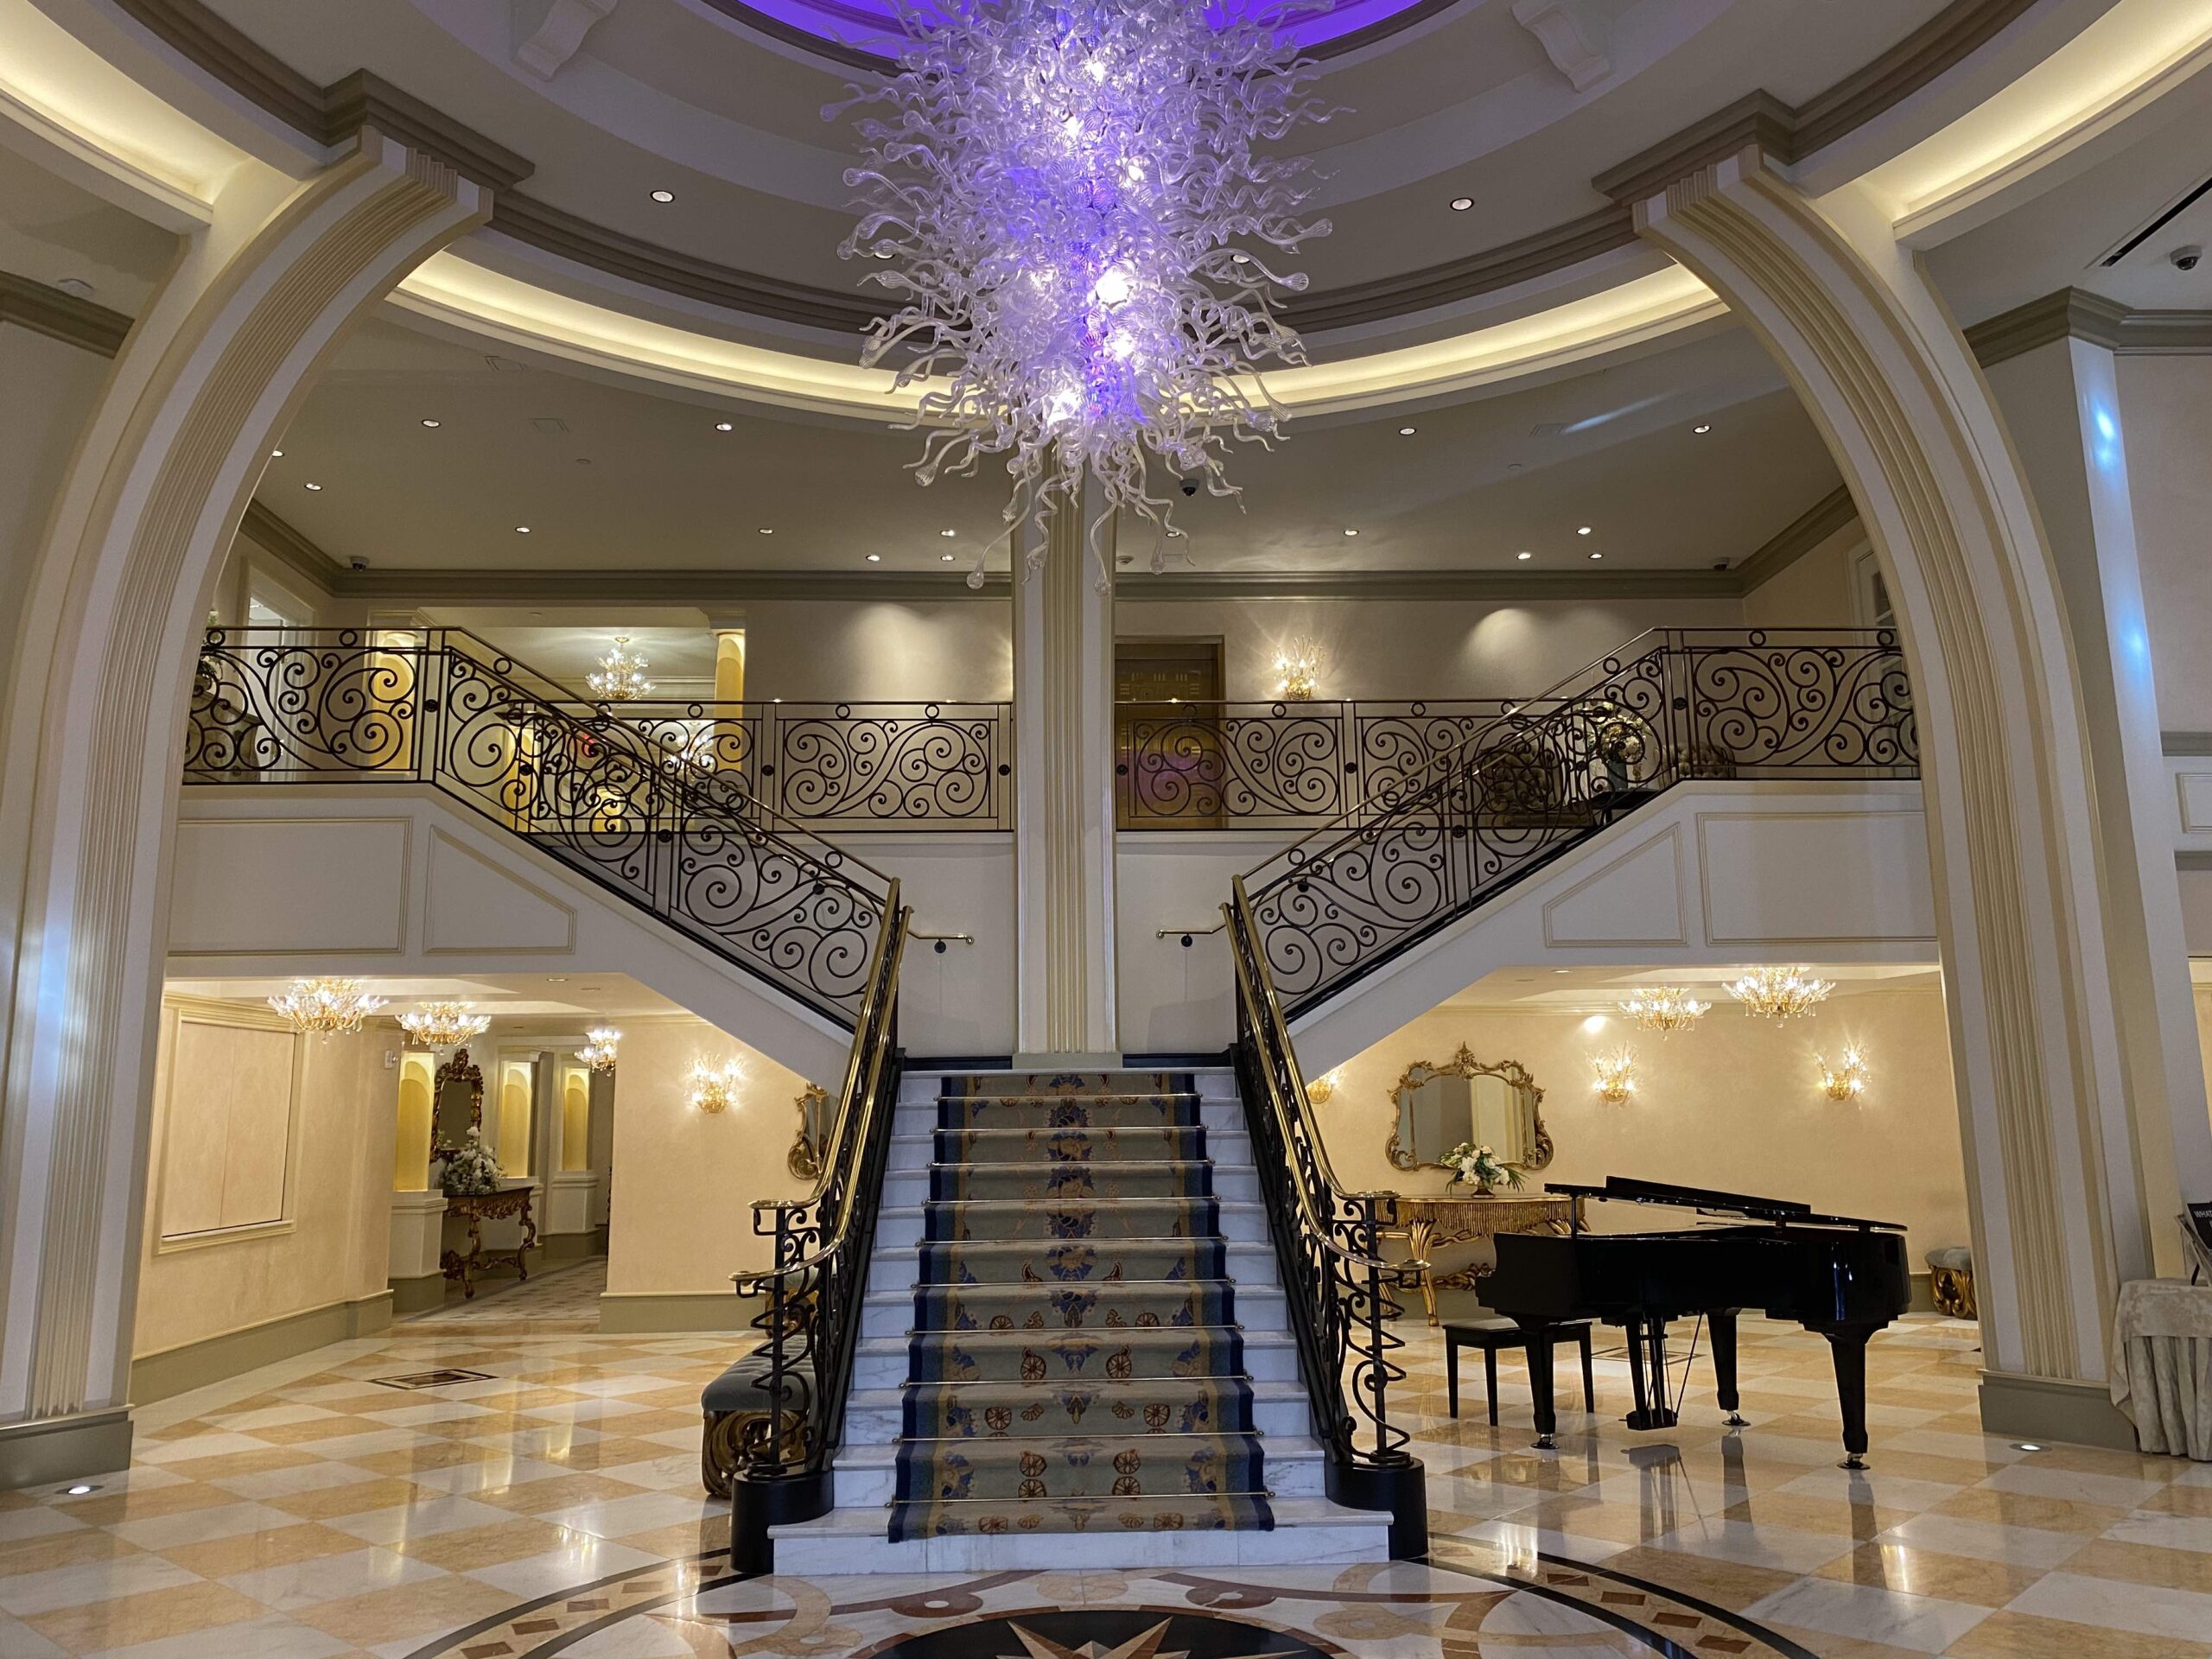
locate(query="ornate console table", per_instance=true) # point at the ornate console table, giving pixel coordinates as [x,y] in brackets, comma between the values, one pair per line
[476,1209]
[1433,1226]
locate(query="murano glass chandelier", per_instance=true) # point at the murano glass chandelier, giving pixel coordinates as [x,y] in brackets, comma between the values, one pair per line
[1663,1008]
[326,1008]
[620,676]
[443,1025]
[1781,993]
[1075,200]
[601,1043]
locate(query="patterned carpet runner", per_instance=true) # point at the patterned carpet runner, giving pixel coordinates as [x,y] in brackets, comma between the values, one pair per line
[1075,1363]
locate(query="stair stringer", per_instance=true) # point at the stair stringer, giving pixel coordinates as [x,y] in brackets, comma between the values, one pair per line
[1709,873]
[431,888]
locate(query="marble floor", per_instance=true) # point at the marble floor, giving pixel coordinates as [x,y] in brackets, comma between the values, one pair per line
[364,1499]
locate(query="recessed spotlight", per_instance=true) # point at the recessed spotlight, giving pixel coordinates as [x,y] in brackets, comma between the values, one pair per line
[664,196]
[946,558]
[1460,204]
[1524,556]
[2017,1445]
[725,425]
[522,529]
[79,1490]
[875,558]
[314,487]
[947,534]
[433,425]
[1240,258]
[275,454]
[1597,556]
[764,530]
[1584,530]
[1406,431]
[1701,431]
[1348,532]
[1562,970]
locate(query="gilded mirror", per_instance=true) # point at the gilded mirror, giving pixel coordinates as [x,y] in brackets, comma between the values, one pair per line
[456,1104]
[1436,1108]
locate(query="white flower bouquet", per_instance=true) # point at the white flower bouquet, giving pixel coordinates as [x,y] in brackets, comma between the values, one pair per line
[1478,1166]
[473,1169]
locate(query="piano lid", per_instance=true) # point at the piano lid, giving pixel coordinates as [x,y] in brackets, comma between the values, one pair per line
[1628,1189]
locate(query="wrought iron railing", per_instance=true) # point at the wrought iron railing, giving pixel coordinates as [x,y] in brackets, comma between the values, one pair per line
[817,1285]
[440,707]
[845,766]
[1195,765]
[1327,1244]
[1671,705]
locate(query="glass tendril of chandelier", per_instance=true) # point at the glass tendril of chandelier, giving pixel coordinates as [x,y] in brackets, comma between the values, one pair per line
[1781,993]
[443,1025]
[620,676]
[1076,201]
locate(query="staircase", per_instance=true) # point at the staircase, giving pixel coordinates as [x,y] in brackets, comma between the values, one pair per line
[1075,1348]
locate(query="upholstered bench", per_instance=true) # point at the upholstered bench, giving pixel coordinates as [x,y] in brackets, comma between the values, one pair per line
[736,1407]
[1490,1336]
[1950,1279]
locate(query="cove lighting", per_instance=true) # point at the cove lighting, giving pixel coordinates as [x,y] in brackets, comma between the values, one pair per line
[663,197]
[1460,204]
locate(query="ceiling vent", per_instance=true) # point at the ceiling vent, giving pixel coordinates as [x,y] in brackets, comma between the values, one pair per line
[1548,429]
[502,364]
[2163,217]
[551,425]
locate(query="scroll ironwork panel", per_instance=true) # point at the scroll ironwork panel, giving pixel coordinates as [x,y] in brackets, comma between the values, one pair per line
[918,765]
[1193,764]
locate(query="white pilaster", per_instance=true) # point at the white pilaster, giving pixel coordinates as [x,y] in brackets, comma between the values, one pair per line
[1063,790]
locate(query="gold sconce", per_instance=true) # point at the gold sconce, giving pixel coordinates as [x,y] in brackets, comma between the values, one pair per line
[1299,664]
[1845,1082]
[1615,1075]
[598,1052]
[1322,1090]
[1663,1008]
[714,1087]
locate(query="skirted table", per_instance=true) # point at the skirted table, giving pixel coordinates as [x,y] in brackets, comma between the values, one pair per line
[2162,1365]
[1453,1234]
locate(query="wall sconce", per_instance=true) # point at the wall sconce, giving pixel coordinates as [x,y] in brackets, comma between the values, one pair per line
[598,1052]
[714,1087]
[1322,1090]
[1299,664]
[1845,1082]
[1615,1075]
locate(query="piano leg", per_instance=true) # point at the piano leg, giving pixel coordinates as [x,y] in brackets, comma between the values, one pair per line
[1538,1334]
[1847,1347]
[1722,1322]
[1647,1351]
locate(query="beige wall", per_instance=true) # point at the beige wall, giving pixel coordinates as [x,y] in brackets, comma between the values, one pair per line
[1731,1105]
[1814,591]
[51,387]
[828,650]
[334,1247]
[684,1181]
[2166,410]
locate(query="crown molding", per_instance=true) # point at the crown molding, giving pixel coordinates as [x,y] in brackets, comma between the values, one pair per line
[328,114]
[1789,132]
[48,311]
[2185,743]
[2076,314]
[1831,514]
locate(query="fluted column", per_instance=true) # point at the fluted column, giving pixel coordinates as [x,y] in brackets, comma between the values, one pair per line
[96,709]
[1064,793]
[2057,1188]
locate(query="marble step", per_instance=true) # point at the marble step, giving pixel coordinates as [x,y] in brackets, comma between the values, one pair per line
[878,1416]
[882,1362]
[868,1474]
[1259,1309]
[1308,1531]
[1229,1148]
[1242,1222]
[894,1267]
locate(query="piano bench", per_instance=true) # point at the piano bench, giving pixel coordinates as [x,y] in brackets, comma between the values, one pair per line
[1490,1336]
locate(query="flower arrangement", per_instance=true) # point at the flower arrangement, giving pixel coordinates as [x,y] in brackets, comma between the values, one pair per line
[1478,1166]
[472,1170]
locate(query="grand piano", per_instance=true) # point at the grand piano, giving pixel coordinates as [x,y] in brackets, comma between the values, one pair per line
[1839,1275]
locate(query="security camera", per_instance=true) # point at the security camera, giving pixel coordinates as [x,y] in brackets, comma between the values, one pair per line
[1190,486]
[358,563]
[2186,259]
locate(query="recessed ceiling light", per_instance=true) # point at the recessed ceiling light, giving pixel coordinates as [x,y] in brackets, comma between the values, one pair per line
[948,533]
[764,530]
[1702,430]
[1562,970]
[1240,258]
[664,196]
[522,529]
[946,558]
[875,558]
[725,425]
[1597,556]
[275,454]
[1406,431]
[1584,530]
[1524,556]
[1348,532]
[2017,1445]
[1460,204]
[84,1486]
[314,487]
[433,425]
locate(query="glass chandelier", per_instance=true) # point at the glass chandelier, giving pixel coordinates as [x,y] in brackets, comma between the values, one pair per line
[1781,993]
[443,1025]
[326,1008]
[1664,1007]
[620,676]
[1074,199]
[598,1052]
